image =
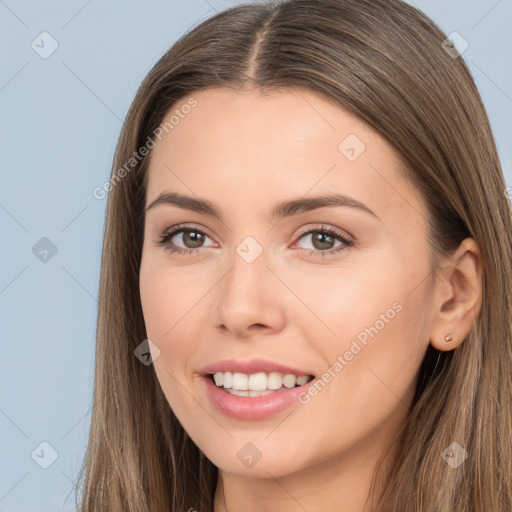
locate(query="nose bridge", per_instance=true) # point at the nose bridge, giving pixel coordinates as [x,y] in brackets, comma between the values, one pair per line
[247,281]
[248,295]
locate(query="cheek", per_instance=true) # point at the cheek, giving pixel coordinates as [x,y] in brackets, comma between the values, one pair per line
[339,303]
[167,300]
[167,305]
[366,327]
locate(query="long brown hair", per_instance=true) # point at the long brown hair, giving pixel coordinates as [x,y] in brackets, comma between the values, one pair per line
[384,61]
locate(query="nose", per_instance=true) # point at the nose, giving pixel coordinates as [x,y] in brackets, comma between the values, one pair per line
[250,299]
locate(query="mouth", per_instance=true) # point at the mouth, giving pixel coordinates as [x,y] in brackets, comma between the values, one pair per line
[255,396]
[257,384]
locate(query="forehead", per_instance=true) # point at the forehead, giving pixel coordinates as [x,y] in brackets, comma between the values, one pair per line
[249,149]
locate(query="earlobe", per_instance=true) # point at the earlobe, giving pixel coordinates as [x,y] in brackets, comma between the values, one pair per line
[458,297]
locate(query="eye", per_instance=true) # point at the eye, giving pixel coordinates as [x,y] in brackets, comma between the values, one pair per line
[323,239]
[191,237]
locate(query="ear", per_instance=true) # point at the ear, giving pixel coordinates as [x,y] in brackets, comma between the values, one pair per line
[457,296]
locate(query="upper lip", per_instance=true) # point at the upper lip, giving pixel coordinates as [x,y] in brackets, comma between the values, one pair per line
[252,366]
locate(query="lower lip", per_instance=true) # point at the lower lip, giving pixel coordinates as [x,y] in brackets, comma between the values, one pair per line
[252,408]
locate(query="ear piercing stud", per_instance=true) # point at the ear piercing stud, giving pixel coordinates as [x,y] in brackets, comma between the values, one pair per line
[448,337]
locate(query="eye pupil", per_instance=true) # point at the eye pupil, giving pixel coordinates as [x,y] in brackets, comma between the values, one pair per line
[194,236]
[320,238]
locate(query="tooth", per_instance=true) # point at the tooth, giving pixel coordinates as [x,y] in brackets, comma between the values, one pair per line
[289,380]
[227,380]
[257,382]
[248,393]
[274,380]
[236,392]
[240,381]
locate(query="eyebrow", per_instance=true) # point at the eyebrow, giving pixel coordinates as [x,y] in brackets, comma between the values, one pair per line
[281,210]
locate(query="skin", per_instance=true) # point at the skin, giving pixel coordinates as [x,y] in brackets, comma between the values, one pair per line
[245,152]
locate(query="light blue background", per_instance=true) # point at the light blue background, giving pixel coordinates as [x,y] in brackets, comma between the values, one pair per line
[60,119]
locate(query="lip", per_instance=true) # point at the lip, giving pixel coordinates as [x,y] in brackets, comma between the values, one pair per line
[252,408]
[252,366]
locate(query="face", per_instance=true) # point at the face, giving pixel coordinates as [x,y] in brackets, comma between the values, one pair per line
[263,282]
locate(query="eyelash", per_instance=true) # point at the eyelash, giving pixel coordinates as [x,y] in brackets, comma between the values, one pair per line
[310,252]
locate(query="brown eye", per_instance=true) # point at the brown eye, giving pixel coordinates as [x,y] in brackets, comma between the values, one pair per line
[323,241]
[192,240]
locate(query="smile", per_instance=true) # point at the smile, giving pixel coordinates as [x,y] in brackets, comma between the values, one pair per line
[257,384]
[254,389]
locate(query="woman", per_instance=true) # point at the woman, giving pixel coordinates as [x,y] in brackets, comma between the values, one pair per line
[236,370]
